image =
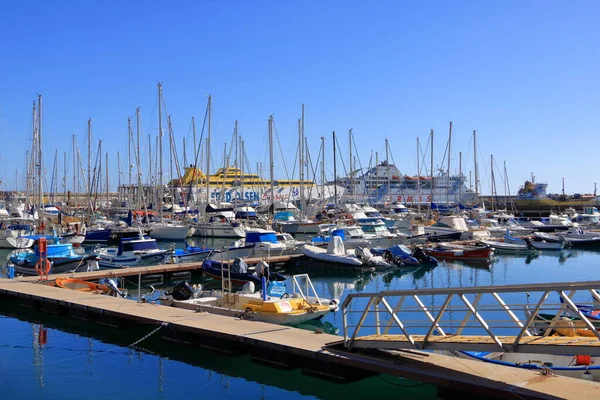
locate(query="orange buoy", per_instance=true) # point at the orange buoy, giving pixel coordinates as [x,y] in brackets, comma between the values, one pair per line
[583,359]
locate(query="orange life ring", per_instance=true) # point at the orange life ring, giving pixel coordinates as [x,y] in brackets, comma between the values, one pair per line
[42,267]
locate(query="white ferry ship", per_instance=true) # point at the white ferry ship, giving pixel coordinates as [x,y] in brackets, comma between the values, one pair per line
[384,182]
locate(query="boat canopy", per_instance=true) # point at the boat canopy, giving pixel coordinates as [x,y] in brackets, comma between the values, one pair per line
[134,244]
[261,237]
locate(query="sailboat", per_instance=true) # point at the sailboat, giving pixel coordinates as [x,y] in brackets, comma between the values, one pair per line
[164,229]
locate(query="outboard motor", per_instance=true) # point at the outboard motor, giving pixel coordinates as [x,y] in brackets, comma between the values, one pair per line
[263,269]
[363,255]
[182,291]
[422,257]
[112,285]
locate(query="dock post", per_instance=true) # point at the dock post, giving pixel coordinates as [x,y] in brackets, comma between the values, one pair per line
[139,287]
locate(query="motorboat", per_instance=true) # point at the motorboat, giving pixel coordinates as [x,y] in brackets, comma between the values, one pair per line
[536,244]
[257,243]
[222,221]
[15,232]
[573,366]
[508,247]
[401,255]
[456,251]
[220,225]
[574,237]
[166,229]
[189,254]
[132,252]
[60,256]
[239,272]
[335,253]
[272,304]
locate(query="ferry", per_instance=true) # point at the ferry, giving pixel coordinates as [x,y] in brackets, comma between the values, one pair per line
[385,181]
[231,184]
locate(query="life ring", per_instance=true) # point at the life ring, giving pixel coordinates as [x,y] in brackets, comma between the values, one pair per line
[42,267]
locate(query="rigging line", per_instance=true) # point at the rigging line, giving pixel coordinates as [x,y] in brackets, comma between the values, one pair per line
[311,167]
[280,150]
[194,178]
[282,158]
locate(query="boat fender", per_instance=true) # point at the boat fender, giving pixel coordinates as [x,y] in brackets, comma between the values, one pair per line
[334,301]
[587,376]
[249,287]
[583,359]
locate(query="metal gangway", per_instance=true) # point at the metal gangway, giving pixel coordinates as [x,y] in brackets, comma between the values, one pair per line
[554,318]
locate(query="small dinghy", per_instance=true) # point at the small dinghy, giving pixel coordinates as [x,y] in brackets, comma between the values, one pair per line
[460,252]
[81,286]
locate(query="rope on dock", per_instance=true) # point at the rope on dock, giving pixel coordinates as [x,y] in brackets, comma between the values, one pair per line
[164,323]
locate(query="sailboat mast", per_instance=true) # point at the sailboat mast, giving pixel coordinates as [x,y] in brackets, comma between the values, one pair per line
[119,197]
[448,170]
[475,163]
[351,168]
[493,179]
[271,163]
[137,158]
[195,144]
[334,173]
[89,161]
[40,166]
[432,183]
[323,167]
[418,176]
[64,176]
[75,167]
[107,183]
[387,161]
[460,175]
[303,155]
[129,163]
[160,161]
[301,164]
[208,148]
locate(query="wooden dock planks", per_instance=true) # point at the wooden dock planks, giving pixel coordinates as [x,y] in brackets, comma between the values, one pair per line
[473,376]
[548,344]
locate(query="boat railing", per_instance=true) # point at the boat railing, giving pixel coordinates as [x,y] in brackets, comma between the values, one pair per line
[552,318]
[302,281]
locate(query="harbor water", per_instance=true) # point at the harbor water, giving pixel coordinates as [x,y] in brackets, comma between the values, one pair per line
[55,357]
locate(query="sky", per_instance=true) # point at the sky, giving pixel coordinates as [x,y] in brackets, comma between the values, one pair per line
[523,74]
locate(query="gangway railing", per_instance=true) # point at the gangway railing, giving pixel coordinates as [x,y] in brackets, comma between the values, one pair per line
[554,318]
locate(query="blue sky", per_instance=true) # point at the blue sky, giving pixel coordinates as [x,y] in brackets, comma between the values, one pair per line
[524,74]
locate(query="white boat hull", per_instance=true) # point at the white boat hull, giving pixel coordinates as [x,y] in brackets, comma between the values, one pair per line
[18,242]
[219,230]
[321,254]
[169,232]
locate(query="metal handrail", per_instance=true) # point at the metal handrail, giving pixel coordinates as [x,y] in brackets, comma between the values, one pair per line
[467,313]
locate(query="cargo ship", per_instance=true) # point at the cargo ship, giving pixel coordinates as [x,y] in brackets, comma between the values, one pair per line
[533,199]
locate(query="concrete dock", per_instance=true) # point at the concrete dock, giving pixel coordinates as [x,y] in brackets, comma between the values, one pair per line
[287,347]
[163,269]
